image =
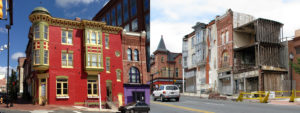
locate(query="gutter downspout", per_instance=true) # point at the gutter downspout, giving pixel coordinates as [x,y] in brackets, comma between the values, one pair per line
[99,91]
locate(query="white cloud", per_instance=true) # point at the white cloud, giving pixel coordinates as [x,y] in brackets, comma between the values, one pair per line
[174,18]
[3,30]
[16,55]
[3,70]
[69,3]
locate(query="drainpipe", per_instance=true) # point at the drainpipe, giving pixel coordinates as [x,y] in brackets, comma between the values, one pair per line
[99,91]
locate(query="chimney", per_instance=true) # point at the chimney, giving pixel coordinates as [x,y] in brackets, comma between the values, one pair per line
[77,19]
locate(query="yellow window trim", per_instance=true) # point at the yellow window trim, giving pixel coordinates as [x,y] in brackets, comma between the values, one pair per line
[107,58]
[67,36]
[97,38]
[34,63]
[92,86]
[62,77]
[97,60]
[118,79]
[67,58]
[106,36]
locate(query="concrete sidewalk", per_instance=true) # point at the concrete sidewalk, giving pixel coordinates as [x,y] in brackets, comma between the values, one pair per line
[234,97]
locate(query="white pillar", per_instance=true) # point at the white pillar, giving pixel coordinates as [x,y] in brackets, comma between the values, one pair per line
[99,91]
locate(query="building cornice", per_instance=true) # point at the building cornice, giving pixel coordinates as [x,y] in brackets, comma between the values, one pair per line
[38,17]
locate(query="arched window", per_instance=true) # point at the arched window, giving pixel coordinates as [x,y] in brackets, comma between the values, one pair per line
[129,54]
[136,55]
[134,75]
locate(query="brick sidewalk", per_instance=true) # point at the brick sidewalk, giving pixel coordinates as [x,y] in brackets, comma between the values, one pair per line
[284,102]
[31,107]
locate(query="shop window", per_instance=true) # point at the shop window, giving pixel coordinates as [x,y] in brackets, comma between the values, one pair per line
[92,88]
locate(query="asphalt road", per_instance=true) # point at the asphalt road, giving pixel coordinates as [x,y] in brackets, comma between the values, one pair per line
[197,105]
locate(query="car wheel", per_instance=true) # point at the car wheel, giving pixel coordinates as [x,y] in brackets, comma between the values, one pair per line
[177,99]
[132,111]
[161,98]
[154,99]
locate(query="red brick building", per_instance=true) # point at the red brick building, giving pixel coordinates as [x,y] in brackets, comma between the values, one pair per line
[135,67]
[68,57]
[166,67]
[225,51]
[294,48]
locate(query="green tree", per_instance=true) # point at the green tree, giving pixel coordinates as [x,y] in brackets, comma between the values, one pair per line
[13,85]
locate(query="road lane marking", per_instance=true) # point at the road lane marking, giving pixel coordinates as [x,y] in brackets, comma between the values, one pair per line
[182,107]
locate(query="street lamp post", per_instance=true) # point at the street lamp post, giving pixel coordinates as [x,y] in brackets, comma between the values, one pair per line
[10,100]
[291,73]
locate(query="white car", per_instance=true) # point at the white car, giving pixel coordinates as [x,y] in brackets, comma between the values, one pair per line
[166,92]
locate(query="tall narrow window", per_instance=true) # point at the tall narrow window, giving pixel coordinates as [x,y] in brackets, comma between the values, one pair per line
[136,55]
[93,38]
[176,74]
[106,41]
[118,73]
[107,64]
[37,56]
[129,57]
[119,14]
[162,59]
[92,88]
[133,8]
[99,38]
[146,5]
[67,37]
[62,87]
[45,32]
[113,17]
[99,60]
[36,31]
[108,18]
[227,36]
[134,25]
[125,10]
[88,37]
[94,60]
[134,75]
[45,56]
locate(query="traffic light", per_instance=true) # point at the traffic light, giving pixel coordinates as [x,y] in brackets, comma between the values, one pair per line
[1,9]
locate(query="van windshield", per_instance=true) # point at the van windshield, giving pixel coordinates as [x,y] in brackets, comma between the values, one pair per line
[171,88]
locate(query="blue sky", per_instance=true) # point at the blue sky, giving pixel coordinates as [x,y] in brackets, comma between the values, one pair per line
[174,18]
[69,9]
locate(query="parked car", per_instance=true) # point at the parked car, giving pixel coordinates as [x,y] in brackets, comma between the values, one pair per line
[166,92]
[135,107]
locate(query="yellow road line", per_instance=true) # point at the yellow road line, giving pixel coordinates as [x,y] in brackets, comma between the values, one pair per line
[181,107]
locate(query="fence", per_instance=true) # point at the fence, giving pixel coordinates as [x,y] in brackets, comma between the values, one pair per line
[263,96]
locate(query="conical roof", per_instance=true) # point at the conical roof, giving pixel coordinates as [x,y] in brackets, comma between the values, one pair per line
[161,46]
